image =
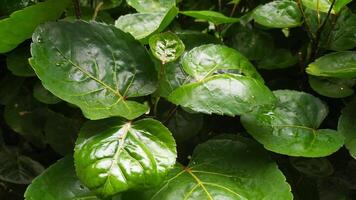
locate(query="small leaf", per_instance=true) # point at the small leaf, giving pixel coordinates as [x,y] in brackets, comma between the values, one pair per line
[146,6]
[324,5]
[210,16]
[112,156]
[223,169]
[59,182]
[167,47]
[347,127]
[17,62]
[291,126]
[332,87]
[94,66]
[43,95]
[338,65]
[18,169]
[143,25]
[278,14]
[11,36]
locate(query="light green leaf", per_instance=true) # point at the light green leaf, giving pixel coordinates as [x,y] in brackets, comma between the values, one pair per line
[338,65]
[210,16]
[18,169]
[151,6]
[17,62]
[224,94]
[17,28]
[143,25]
[43,95]
[94,66]
[278,14]
[332,87]
[291,126]
[167,47]
[207,60]
[59,182]
[347,127]
[112,156]
[324,5]
[223,169]
[313,167]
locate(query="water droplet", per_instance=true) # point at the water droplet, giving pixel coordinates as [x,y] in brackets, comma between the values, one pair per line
[341,88]
[39,39]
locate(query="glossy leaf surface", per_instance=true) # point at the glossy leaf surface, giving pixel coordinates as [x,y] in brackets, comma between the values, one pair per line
[278,14]
[145,6]
[99,73]
[338,65]
[332,87]
[291,127]
[210,16]
[347,127]
[39,13]
[166,47]
[112,156]
[324,5]
[223,169]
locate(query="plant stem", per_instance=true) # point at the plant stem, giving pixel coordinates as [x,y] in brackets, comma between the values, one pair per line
[77,10]
[233,9]
[220,6]
[97,9]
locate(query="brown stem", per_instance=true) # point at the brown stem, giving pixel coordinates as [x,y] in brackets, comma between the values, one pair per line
[77,10]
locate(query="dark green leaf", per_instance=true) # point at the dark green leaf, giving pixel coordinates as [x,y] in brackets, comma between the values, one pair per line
[9,6]
[338,65]
[278,14]
[59,182]
[210,16]
[291,126]
[17,62]
[112,155]
[17,28]
[347,127]
[146,6]
[277,59]
[94,66]
[43,95]
[223,169]
[332,87]
[314,167]
[16,168]
[10,87]
[167,47]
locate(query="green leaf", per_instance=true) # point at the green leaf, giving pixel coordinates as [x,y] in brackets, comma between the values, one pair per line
[9,6]
[17,62]
[291,126]
[112,155]
[206,60]
[143,25]
[18,169]
[313,167]
[210,16]
[43,95]
[338,65]
[278,14]
[167,47]
[324,5]
[59,182]
[224,94]
[332,87]
[277,59]
[347,127]
[17,28]
[10,87]
[151,6]
[223,169]
[94,66]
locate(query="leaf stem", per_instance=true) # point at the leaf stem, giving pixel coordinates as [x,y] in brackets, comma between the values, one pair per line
[77,10]
[97,9]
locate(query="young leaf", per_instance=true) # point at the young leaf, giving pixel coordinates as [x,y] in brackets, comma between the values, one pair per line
[223,169]
[143,25]
[146,6]
[59,182]
[278,14]
[17,28]
[224,94]
[94,66]
[18,169]
[43,95]
[338,65]
[112,156]
[17,62]
[167,47]
[347,127]
[324,5]
[332,87]
[291,126]
[210,16]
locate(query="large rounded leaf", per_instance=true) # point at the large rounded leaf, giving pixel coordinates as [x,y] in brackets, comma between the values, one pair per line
[339,65]
[59,182]
[223,169]
[224,94]
[21,24]
[347,127]
[278,14]
[112,155]
[94,66]
[291,127]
